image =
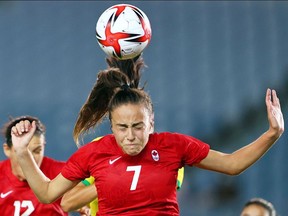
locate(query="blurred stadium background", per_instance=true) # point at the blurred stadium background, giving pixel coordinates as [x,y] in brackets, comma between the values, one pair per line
[209,65]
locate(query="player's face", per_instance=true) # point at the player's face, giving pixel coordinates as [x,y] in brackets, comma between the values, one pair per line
[131,125]
[254,210]
[36,147]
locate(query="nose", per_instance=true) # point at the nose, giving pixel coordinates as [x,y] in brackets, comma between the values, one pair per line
[130,134]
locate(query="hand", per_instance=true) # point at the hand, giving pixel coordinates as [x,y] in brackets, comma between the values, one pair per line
[275,116]
[22,133]
[84,211]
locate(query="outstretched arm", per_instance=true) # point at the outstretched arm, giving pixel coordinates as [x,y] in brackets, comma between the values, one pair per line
[45,189]
[240,160]
[78,197]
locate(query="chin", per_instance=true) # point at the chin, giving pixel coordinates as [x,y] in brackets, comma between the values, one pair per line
[133,153]
[132,150]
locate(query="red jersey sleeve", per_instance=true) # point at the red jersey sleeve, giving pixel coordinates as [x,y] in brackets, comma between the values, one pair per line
[190,149]
[76,168]
[195,150]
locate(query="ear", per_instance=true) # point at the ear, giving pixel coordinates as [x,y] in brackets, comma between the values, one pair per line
[7,150]
[152,123]
[152,127]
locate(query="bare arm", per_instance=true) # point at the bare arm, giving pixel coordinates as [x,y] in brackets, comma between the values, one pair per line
[240,160]
[45,189]
[78,197]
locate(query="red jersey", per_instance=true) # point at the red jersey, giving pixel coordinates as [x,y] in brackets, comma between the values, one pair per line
[17,198]
[136,185]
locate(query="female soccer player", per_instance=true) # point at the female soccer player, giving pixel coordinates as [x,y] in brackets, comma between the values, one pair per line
[17,198]
[258,206]
[135,170]
[79,196]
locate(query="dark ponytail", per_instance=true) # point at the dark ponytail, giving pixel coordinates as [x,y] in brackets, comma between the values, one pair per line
[131,67]
[109,82]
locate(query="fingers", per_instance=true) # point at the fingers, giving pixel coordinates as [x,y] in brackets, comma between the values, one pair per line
[26,126]
[272,98]
[85,211]
[275,99]
[22,127]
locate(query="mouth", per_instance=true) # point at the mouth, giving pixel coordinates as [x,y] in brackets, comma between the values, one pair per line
[132,148]
[131,145]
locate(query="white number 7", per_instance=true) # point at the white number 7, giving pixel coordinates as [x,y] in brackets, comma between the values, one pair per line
[136,170]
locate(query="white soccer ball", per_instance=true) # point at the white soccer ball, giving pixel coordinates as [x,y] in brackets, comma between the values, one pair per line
[123,31]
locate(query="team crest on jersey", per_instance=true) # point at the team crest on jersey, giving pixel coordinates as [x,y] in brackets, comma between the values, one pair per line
[155,155]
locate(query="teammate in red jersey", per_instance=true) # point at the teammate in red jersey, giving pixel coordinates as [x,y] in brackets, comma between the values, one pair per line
[16,196]
[135,170]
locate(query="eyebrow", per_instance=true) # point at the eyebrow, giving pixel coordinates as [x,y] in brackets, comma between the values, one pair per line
[133,125]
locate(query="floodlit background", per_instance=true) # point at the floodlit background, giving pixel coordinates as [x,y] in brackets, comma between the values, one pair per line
[209,65]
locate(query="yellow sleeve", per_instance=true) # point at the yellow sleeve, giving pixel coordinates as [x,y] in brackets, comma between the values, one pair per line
[180,178]
[89,181]
[93,207]
[97,138]
[94,204]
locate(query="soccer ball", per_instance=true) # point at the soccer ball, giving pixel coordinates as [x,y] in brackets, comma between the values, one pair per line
[123,31]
